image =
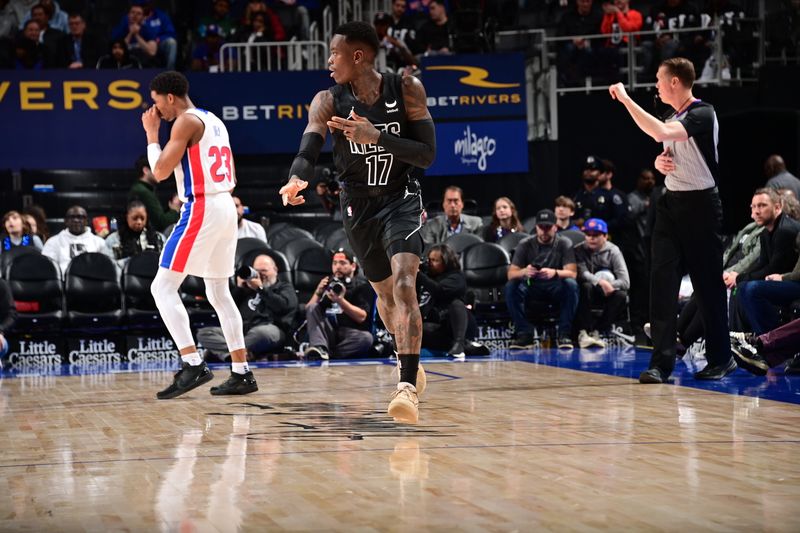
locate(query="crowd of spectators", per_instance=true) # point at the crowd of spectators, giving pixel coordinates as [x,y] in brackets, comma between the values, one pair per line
[148,33]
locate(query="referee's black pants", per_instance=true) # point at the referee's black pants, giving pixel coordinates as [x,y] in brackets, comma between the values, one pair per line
[686,238]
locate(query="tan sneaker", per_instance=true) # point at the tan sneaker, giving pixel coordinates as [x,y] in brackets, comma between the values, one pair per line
[587,340]
[404,406]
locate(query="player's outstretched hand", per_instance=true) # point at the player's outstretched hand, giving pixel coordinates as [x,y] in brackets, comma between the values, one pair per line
[289,191]
[618,92]
[357,128]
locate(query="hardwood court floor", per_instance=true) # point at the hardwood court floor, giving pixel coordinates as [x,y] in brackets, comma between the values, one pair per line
[501,446]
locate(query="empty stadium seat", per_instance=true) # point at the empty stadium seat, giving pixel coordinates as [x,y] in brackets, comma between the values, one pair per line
[287,234]
[509,242]
[461,241]
[35,283]
[336,240]
[293,249]
[193,295]
[8,256]
[92,291]
[311,265]
[323,229]
[573,235]
[137,276]
[485,266]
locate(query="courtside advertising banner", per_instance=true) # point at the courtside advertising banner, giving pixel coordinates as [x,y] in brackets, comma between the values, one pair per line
[92,119]
[480,147]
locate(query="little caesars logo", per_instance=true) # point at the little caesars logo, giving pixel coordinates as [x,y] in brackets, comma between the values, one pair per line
[474,149]
[152,350]
[35,354]
[95,352]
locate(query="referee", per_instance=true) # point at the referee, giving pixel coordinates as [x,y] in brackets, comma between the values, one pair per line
[688,220]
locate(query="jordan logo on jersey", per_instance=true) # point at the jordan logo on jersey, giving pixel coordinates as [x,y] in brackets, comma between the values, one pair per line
[365,149]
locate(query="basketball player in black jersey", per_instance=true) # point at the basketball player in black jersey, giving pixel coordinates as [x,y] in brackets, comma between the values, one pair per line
[381,129]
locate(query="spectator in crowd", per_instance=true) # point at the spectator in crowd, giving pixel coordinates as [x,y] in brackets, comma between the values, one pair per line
[17,232]
[260,31]
[268,28]
[144,190]
[393,51]
[206,53]
[55,43]
[327,192]
[783,31]
[453,221]
[248,228]
[777,253]
[618,20]
[441,289]
[267,305]
[76,239]
[86,47]
[603,279]
[295,18]
[780,178]
[434,35]
[141,39]
[8,316]
[8,19]
[615,213]
[789,203]
[27,49]
[576,57]
[161,25]
[670,15]
[118,57]
[591,201]
[543,269]
[565,210]
[37,220]
[758,353]
[402,28]
[633,243]
[735,39]
[135,235]
[338,312]
[56,17]
[760,298]
[505,220]
[221,18]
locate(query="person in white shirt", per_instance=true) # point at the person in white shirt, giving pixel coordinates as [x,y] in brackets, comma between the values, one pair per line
[76,239]
[247,228]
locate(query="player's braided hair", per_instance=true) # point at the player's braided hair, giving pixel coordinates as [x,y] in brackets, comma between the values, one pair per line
[359,32]
[170,82]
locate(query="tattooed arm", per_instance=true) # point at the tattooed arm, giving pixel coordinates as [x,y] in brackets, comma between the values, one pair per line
[311,144]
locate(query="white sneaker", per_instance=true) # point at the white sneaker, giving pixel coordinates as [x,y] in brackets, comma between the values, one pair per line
[646,329]
[588,341]
[404,406]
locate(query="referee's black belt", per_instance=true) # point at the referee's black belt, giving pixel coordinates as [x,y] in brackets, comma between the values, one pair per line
[696,192]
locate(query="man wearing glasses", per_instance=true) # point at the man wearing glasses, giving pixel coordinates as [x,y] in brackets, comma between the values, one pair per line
[543,269]
[76,239]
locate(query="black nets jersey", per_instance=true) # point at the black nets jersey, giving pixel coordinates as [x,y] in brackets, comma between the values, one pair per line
[369,169]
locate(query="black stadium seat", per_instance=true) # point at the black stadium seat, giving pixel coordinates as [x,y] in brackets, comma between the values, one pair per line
[461,241]
[35,283]
[193,295]
[8,256]
[311,266]
[249,246]
[280,239]
[92,291]
[336,240]
[323,229]
[137,276]
[485,266]
[293,249]
[509,242]
[575,236]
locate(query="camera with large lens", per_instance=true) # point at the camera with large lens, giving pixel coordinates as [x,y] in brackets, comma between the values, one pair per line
[247,272]
[336,287]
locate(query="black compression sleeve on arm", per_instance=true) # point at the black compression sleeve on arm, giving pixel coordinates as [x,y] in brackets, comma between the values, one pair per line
[303,164]
[419,149]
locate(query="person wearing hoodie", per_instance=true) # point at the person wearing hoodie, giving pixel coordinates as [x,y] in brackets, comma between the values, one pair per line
[76,239]
[603,278]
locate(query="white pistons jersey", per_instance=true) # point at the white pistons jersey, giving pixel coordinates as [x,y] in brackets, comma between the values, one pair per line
[207,167]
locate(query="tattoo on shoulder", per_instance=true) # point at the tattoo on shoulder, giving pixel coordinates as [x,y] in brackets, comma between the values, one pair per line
[415,98]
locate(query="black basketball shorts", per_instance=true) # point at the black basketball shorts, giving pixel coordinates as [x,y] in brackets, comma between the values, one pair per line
[379,227]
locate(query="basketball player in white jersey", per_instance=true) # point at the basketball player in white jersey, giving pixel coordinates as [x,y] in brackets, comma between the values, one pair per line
[203,242]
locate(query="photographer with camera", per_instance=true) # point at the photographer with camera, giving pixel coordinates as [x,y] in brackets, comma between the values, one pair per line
[267,305]
[442,288]
[338,310]
[328,189]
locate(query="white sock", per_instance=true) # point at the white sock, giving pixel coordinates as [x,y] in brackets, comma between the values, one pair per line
[193,358]
[240,368]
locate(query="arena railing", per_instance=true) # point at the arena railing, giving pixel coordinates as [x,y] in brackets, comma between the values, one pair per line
[279,55]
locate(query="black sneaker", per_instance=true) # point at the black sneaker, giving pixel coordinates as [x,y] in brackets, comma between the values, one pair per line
[521,341]
[652,375]
[476,348]
[748,358]
[186,379]
[316,352]
[236,384]
[457,350]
